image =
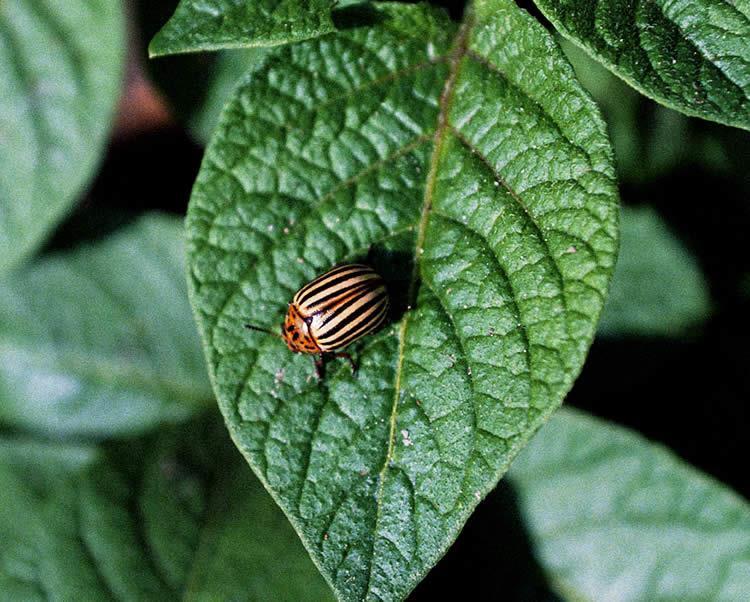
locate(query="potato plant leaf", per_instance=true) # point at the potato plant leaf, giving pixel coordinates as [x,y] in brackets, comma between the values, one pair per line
[98,341]
[60,71]
[468,166]
[214,24]
[690,55]
[615,517]
[227,71]
[176,517]
[650,253]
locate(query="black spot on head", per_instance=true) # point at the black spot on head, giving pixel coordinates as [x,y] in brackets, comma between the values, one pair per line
[295,336]
[290,328]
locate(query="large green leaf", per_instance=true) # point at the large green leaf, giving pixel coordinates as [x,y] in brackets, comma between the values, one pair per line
[60,70]
[176,517]
[472,151]
[615,517]
[658,288]
[213,24]
[691,55]
[98,341]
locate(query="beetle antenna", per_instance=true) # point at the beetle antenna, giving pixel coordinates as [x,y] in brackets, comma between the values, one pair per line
[261,329]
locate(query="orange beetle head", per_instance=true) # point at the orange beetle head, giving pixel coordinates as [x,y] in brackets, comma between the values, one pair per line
[296,332]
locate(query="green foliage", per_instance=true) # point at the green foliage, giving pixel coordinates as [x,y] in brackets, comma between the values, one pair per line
[215,24]
[98,341]
[649,139]
[60,71]
[228,70]
[690,55]
[658,288]
[615,517]
[175,516]
[467,164]
[474,171]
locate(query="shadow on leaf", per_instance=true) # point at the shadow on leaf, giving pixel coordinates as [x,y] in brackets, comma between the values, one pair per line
[357,15]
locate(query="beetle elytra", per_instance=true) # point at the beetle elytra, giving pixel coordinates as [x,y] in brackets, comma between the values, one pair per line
[334,310]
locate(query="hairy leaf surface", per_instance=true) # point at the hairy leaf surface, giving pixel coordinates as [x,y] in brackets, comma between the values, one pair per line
[213,24]
[176,517]
[469,167]
[615,517]
[691,55]
[98,341]
[60,70]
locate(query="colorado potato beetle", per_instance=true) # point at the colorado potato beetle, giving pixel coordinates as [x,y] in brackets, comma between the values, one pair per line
[334,310]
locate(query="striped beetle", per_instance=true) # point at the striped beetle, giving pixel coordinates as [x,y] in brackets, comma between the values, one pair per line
[334,310]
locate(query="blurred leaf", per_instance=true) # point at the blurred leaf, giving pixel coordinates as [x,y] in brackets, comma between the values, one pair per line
[99,341]
[658,288]
[43,464]
[619,105]
[690,55]
[229,68]
[214,24]
[393,138]
[60,71]
[178,517]
[614,517]
[182,80]
[649,139]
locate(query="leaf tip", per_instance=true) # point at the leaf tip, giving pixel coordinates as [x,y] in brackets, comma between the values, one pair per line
[156,48]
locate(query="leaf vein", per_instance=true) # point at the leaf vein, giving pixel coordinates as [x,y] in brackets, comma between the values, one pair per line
[532,220]
[457,52]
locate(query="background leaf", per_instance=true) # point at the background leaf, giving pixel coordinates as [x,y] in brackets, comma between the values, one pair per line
[215,24]
[98,341]
[615,517]
[392,142]
[658,288]
[690,55]
[180,511]
[60,71]
[230,67]
[649,139]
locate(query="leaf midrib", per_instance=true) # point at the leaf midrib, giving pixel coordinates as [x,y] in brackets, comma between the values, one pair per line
[458,51]
[703,52]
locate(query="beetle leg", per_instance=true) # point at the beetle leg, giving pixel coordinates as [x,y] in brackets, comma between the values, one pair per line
[320,363]
[319,367]
[348,356]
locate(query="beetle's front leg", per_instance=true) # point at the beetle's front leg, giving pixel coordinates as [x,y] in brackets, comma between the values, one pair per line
[348,356]
[319,367]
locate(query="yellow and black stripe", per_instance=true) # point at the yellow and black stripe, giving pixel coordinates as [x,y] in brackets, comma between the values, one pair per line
[342,305]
